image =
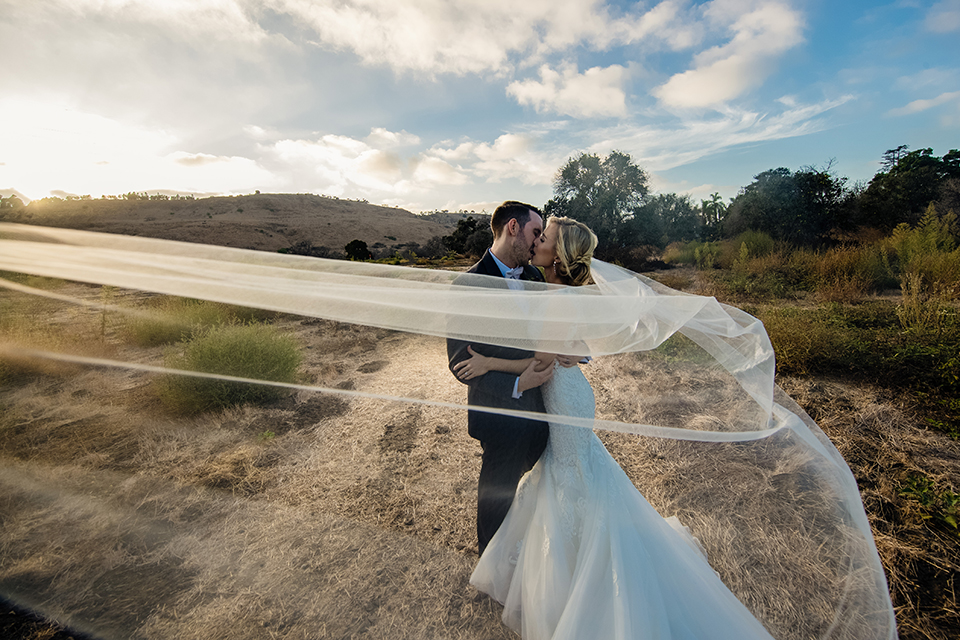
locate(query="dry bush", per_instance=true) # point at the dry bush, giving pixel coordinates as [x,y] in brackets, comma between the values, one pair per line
[938,273]
[847,274]
[920,311]
[841,289]
[800,339]
[679,253]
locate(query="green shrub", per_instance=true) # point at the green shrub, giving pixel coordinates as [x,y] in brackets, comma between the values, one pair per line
[865,341]
[938,273]
[747,245]
[939,505]
[758,243]
[169,319]
[253,351]
[934,234]
[707,255]
[799,268]
[704,255]
[754,278]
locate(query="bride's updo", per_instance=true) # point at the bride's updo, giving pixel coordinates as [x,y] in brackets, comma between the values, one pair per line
[575,245]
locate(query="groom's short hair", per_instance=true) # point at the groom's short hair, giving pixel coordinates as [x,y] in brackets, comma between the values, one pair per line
[509,210]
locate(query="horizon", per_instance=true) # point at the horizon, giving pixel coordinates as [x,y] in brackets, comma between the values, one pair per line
[463,105]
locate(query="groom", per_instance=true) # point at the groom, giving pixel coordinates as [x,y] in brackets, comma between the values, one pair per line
[511,446]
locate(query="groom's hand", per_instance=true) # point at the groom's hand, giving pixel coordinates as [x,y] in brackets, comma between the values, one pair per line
[531,378]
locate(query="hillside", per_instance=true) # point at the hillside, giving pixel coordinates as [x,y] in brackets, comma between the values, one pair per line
[267,222]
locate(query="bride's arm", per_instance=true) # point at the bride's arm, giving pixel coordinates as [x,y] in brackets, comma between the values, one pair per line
[478,364]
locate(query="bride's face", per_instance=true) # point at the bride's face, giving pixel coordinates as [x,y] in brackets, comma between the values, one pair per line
[545,249]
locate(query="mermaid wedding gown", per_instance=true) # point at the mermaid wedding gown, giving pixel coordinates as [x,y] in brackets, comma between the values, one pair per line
[582,554]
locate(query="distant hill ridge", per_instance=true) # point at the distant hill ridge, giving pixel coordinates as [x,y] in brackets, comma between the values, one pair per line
[267,222]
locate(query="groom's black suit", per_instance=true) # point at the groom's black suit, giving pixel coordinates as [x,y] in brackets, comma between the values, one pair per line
[511,446]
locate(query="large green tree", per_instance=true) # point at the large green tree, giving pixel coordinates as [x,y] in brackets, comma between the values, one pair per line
[905,185]
[801,207]
[603,193]
[662,219]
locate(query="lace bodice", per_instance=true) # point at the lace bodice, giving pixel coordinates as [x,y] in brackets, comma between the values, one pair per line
[570,450]
[569,394]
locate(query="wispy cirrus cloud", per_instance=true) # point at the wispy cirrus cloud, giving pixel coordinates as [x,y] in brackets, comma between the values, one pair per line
[918,106]
[665,146]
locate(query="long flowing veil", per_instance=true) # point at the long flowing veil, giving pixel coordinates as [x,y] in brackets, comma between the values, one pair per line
[684,383]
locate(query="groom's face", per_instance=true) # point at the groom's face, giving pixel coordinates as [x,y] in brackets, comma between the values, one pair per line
[526,239]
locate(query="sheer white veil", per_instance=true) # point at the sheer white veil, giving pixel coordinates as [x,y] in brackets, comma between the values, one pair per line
[692,378]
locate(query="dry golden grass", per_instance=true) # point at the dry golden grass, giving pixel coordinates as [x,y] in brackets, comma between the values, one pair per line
[352,518]
[884,442]
[332,516]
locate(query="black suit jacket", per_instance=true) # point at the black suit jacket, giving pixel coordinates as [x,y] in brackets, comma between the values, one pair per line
[495,388]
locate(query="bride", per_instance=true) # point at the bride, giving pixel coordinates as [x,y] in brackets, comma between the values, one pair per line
[581,553]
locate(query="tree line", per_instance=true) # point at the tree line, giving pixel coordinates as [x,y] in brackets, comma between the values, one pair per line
[809,207]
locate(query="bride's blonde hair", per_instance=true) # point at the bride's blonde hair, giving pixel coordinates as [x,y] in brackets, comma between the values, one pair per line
[575,245]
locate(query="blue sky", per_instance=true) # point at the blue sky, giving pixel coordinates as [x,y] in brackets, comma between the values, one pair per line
[439,104]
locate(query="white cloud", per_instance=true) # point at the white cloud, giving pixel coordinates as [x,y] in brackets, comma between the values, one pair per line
[436,171]
[922,105]
[944,17]
[203,67]
[380,137]
[510,156]
[337,165]
[431,37]
[598,91]
[481,36]
[219,20]
[725,72]
[666,22]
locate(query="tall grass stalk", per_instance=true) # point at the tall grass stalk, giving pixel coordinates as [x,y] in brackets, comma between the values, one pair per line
[920,311]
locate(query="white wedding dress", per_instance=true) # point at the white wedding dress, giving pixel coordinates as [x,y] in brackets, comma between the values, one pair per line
[582,554]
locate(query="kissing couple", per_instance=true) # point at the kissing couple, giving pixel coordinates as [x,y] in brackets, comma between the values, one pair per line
[567,543]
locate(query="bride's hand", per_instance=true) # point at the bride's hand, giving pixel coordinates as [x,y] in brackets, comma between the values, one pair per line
[476,365]
[544,360]
[568,361]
